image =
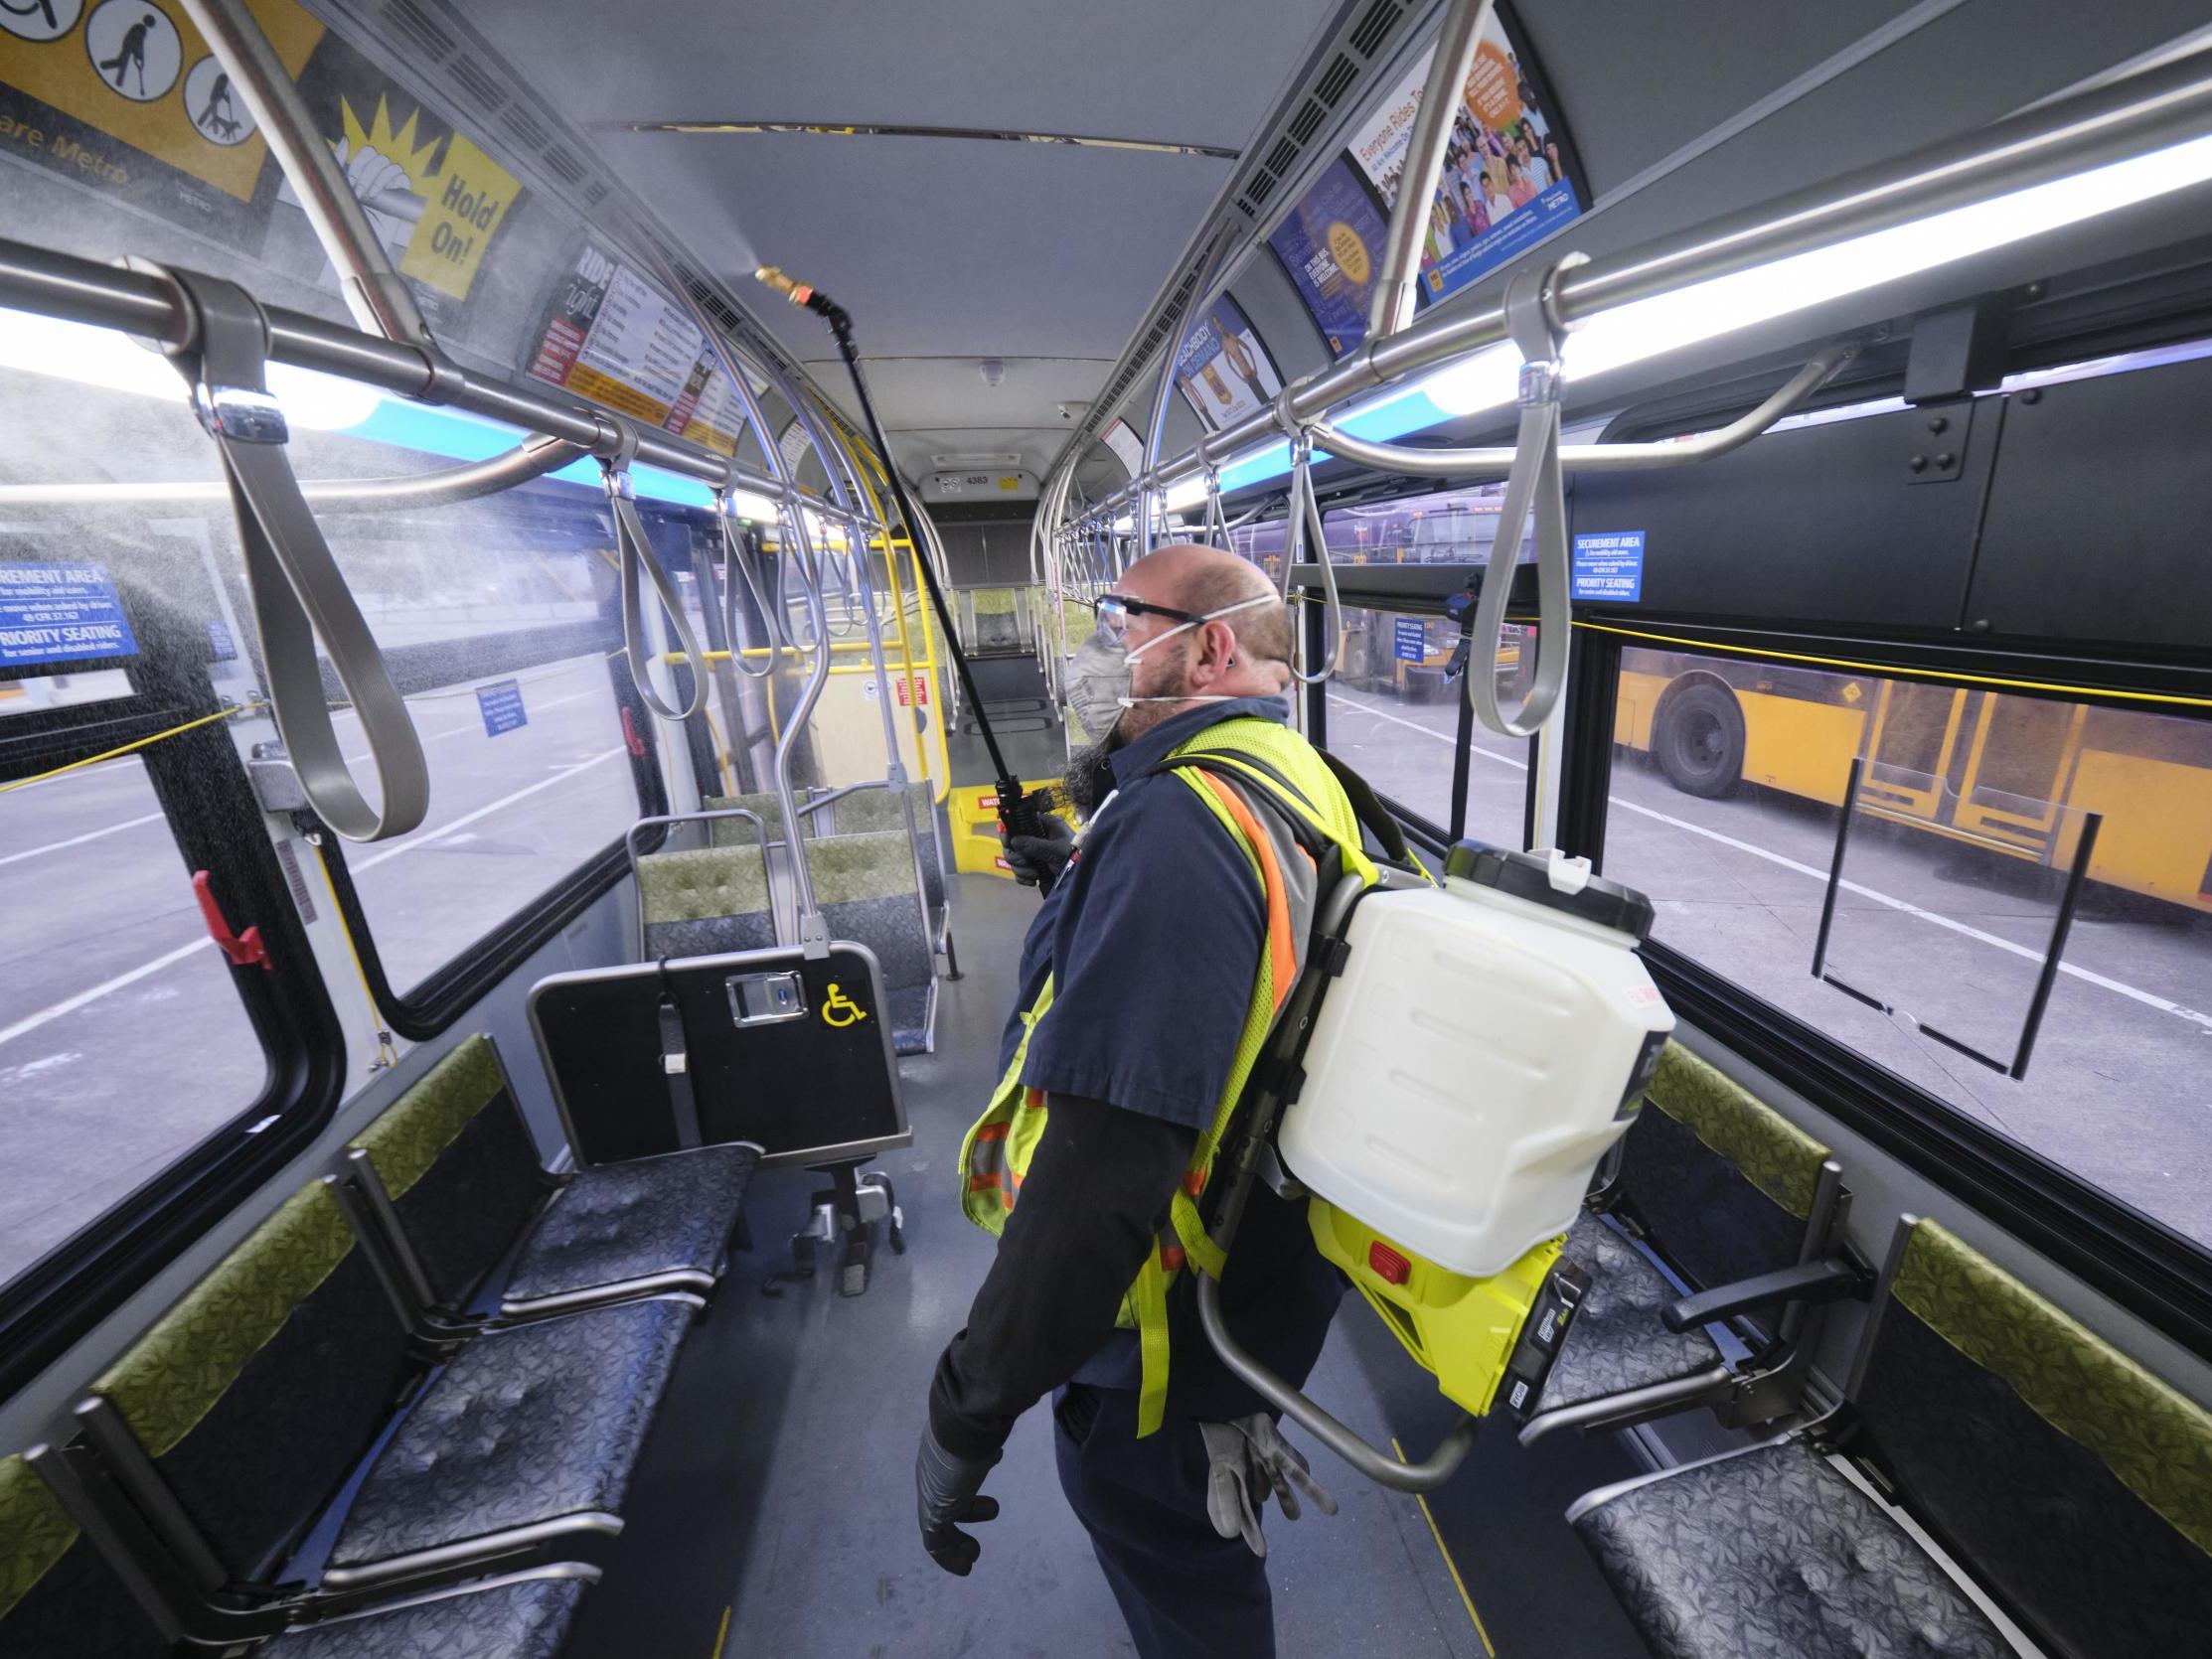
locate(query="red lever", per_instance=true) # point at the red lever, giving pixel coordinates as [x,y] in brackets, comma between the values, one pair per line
[630,734]
[244,949]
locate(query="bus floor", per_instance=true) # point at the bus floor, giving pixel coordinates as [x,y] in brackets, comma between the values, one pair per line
[775,1516]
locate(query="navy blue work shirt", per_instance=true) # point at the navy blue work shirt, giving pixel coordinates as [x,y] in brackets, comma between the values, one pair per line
[1153,936]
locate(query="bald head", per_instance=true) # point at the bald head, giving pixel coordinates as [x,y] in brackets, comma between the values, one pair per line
[1202,580]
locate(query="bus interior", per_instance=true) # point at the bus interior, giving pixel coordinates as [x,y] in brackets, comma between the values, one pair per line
[552,684]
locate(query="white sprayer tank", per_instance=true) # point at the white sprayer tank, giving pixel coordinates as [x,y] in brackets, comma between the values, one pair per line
[1488,1041]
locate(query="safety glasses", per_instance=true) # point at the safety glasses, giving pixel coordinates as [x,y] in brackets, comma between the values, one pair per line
[1115,609]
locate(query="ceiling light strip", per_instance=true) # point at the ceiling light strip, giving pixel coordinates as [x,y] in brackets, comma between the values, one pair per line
[873,129]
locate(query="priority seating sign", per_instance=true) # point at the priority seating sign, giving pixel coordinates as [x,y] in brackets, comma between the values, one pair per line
[61,613]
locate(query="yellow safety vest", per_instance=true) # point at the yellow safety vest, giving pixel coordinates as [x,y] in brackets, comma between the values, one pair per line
[1243,755]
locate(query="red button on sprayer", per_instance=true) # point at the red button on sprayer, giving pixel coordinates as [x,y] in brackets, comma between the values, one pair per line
[1388,1264]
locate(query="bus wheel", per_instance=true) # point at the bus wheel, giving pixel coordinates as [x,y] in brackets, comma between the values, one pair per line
[1700,740]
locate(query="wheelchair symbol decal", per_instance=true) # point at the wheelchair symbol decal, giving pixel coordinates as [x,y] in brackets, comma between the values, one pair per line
[840,1011]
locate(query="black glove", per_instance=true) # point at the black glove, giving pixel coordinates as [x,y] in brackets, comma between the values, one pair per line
[1038,859]
[944,1492]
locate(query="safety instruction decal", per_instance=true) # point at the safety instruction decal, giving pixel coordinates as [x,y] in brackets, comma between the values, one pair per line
[1409,639]
[1608,567]
[501,704]
[61,613]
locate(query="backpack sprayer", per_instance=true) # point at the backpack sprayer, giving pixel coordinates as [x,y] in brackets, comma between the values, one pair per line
[1453,1063]
[1019,814]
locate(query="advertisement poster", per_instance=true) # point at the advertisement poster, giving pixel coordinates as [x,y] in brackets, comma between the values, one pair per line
[612,337]
[1506,183]
[125,97]
[1222,368]
[1332,245]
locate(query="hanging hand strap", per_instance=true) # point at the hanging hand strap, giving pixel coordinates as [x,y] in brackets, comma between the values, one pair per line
[636,555]
[1535,486]
[1305,526]
[297,591]
[734,555]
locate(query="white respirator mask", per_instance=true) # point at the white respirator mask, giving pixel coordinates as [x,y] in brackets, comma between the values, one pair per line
[1101,673]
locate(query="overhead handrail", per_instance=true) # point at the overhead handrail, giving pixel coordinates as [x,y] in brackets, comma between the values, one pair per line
[296,588]
[1536,486]
[635,557]
[1498,462]
[1303,521]
[533,458]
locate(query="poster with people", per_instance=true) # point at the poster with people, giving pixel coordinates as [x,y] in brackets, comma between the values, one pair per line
[1222,370]
[1332,246]
[1505,182]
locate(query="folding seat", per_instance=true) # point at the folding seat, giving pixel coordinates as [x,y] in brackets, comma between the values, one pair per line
[865,887]
[1747,1212]
[452,1175]
[62,1597]
[237,1420]
[2066,1482]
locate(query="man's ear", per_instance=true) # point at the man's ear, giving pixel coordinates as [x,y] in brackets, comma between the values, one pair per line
[1217,651]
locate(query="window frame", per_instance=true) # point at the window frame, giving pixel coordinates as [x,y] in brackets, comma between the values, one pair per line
[202,786]
[2147,1267]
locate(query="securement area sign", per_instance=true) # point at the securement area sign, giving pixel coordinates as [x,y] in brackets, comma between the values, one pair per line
[501,704]
[61,613]
[1608,567]
[1410,640]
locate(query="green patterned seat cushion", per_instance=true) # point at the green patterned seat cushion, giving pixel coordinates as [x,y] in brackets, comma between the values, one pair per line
[2155,1439]
[408,1137]
[35,1531]
[173,1376]
[879,864]
[702,884]
[994,601]
[1777,1157]
[878,809]
[736,831]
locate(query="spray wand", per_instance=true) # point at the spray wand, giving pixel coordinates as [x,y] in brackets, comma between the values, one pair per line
[1019,814]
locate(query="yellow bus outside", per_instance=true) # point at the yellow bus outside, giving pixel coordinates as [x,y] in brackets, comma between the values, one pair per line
[1999,770]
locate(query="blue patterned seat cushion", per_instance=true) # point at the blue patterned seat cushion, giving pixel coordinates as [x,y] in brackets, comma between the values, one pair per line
[527,1620]
[909,1020]
[618,1222]
[528,1425]
[1774,1555]
[1615,1341]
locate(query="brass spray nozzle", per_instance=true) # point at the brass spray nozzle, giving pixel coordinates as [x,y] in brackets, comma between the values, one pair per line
[798,294]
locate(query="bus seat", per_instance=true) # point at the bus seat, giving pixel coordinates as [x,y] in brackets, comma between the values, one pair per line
[2071,1483]
[522,1615]
[868,810]
[705,901]
[866,886]
[736,831]
[463,1182]
[59,1600]
[1722,1188]
[259,1394]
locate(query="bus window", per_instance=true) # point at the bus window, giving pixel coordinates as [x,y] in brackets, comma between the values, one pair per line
[1972,809]
[123,1041]
[1394,715]
[498,620]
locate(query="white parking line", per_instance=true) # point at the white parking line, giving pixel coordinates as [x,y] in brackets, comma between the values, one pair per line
[69,1004]
[2149,999]
[80,840]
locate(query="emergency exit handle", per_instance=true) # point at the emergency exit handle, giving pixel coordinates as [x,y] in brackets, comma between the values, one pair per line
[244,949]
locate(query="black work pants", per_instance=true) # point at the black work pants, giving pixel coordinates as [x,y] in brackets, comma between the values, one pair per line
[1185,1591]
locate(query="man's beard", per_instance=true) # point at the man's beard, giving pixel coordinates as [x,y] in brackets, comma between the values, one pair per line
[1088,778]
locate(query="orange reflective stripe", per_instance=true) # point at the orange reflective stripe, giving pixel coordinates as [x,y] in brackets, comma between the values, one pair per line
[990,1131]
[1171,1257]
[1194,1182]
[982,1183]
[1282,949]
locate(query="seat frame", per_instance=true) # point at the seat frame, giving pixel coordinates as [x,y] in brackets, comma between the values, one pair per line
[1772,1383]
